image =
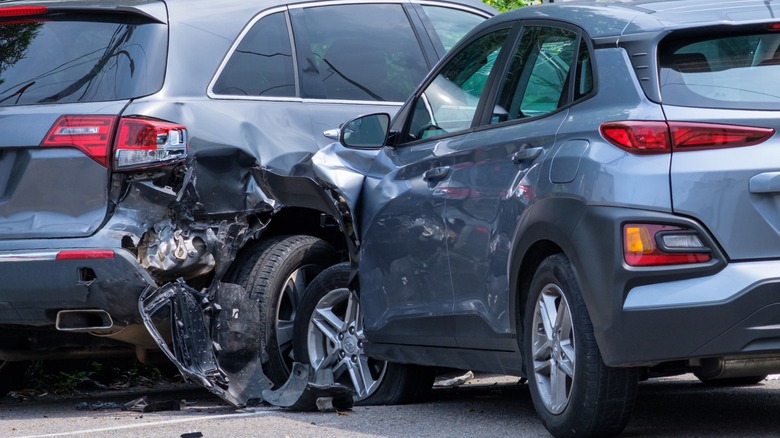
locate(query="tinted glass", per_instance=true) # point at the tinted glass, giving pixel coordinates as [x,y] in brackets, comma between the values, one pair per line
[357,52]
[262,64]
[70,59]
[733,72]
[537,80]
[448,104]
[451,24]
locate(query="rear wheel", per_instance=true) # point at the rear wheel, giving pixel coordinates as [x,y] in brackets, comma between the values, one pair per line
[275,272]
[329,334]
[573,391]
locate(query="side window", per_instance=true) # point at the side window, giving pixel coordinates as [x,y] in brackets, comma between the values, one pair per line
[537,81]
[262,64]
[450,24]
[363,52]
[449,102]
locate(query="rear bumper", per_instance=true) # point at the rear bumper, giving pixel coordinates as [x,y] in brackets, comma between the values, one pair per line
[649,315]
[736,311]
[37,285]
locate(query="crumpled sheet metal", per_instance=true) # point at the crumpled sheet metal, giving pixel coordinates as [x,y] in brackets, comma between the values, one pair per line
[216,344]
[215,332]
[193,319]
[307,390]
[331,181]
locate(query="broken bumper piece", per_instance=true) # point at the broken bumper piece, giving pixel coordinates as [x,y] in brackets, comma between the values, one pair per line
[215,342]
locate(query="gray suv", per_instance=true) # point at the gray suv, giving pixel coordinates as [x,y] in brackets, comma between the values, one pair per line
[586,194]
[128,133]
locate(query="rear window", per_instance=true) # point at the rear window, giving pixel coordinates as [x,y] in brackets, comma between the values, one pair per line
[731,72]
[67,58]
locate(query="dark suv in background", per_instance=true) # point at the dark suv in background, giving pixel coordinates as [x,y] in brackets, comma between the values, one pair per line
[128,131]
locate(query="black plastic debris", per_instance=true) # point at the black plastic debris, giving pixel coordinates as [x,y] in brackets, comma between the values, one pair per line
[144,405]
[306,390]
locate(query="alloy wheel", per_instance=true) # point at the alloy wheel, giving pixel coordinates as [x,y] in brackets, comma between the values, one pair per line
[553,348]
[335,340]
[286,309]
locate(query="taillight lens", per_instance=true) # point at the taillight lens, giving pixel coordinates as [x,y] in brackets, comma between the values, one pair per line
[140,141]
[639,137]
[21,11]
[90,134]
[144,142]
[647,137]
[654,244]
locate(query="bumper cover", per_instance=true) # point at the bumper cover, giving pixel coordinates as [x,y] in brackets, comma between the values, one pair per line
[36,285]
[648,315]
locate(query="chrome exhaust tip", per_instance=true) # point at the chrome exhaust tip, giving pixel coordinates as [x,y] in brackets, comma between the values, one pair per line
[83,320]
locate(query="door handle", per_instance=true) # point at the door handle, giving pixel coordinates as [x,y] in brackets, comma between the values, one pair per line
[436,174]
[526,153]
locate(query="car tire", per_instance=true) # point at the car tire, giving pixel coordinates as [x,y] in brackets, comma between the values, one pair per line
[12,375]
[572,390]
[329,333]
[732,381]
[275,273]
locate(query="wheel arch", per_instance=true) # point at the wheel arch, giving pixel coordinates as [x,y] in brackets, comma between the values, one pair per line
[544,230]
[308,221]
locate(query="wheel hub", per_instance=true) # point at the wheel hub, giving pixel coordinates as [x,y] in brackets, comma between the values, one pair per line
[349,345]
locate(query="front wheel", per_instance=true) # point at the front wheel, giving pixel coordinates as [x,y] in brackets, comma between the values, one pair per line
[573,391]
[329,334]
[275,272]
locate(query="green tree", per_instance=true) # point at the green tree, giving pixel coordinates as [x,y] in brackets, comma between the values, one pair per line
[505,5]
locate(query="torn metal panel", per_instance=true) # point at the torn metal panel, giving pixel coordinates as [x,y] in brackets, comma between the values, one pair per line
[215,331]
[307,390]
[229,365]
[331,181]
[215,343]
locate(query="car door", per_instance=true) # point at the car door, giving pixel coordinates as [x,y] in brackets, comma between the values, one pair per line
[495,176]
[405,279]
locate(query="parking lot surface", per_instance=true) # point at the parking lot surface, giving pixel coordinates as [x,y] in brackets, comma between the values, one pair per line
[485,406]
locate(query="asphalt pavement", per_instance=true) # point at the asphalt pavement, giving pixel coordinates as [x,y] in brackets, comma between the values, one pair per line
[482,407]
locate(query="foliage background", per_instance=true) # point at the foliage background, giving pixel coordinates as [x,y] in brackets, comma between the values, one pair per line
[505,5]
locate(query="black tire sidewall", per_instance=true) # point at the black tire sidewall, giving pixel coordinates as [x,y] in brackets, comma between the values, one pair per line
[556,270]
[264,270]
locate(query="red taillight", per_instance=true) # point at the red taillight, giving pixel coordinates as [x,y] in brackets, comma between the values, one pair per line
[645,137]
[773,26]
[143,142]
[90,134]
[140,141]
[639,137]
[85,254]
[654,244]
[20,11]
[694,136]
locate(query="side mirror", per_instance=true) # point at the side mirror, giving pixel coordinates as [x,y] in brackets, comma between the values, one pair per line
[365,132]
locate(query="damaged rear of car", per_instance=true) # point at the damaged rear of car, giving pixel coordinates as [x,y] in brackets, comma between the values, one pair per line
[83,181]
[129,134]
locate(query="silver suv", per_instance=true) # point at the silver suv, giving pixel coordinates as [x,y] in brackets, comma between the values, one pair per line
[128,132]
[585,194]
